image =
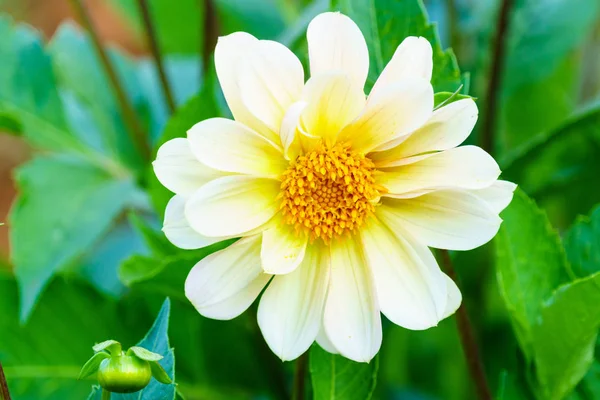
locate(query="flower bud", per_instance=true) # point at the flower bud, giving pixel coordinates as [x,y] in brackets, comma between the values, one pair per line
[124,374]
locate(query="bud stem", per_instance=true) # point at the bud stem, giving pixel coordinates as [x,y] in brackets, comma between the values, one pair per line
[4,394]
[105,394]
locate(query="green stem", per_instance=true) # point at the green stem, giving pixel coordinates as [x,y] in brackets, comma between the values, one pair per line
[105,394]
[4,394]
[135,128]
[467,338]
[495,78]
[300,377]
[153,42]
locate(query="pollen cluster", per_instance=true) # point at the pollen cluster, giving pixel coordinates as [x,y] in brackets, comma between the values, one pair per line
[329,192]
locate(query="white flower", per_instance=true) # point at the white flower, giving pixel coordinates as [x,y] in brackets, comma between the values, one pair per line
[336,195]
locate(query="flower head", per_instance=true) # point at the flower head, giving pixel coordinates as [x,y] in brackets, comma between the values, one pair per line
[336,195]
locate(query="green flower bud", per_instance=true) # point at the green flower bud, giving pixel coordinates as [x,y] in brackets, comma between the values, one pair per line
[124,374]
[121,372]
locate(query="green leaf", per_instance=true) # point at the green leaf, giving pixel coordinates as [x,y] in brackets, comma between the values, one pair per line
[582,244]
[156,341]
[530,264]
[92,106]
[112,346]
[261,18]
[144,354]
[28,90]
[564,336]
[444,98]
[92,365]
[385,23]
[58,336]
[558,166]
[541,82]
[101,263]
[65,205]
[164,274]
[159,373]
[154,238]
[335,377]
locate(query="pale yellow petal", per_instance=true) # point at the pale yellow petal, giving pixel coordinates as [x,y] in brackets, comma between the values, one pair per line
[395,112]
[333,100]
[466,167]
[448,127]
[335,43]
[290,312]
[230,146]
[233,205]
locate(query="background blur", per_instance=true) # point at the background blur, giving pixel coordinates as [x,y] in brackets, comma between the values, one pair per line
[550,73]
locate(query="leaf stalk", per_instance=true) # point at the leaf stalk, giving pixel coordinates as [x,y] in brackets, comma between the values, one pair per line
[154,49]
[495,78]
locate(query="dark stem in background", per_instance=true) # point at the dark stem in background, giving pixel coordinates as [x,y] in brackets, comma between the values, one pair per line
[4,394]
[300,377]
[135,128]
[467,338]
[495,77]
[153,42]
[211,33]
[453,26]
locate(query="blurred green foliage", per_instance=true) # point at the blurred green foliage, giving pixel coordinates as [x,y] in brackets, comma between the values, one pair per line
[90,262]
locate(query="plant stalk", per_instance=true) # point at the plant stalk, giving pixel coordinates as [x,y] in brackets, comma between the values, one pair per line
[4,393]
[300,377]
[467,338]
[105,394]
[154,49]
[211,33]
[495,78]
[135,128]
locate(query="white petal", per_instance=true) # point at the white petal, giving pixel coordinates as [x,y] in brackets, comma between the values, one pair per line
[290,312]
[335,43]
[412,59]
[454,298]
[224,284]
[466,167]
[229,57]
[282,249]
[178,170]
[333,101]
[446,219]
[448,127]
[352,321]
[271,78]
[232,205]
[289,130]
[323,341]
[396,111]
[230,146]
[410,286]
[498,196]
[178,230]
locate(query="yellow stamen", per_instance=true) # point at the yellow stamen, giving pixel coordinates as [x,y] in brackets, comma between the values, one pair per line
[339,195]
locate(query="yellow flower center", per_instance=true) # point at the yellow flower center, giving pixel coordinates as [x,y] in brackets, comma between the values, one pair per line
[329,191]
